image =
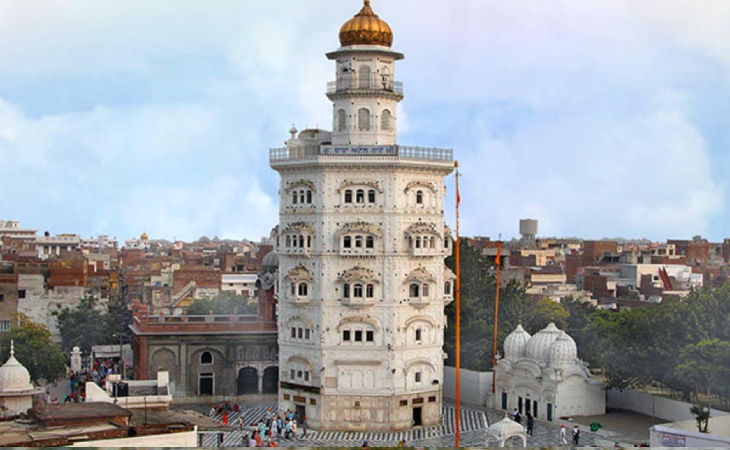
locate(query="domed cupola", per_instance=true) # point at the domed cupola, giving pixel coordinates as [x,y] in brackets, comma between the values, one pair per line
[13,376]
[563,352]
[366,28]
[515,343]
[538,347]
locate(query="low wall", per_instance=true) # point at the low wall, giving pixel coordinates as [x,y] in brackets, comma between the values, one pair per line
[653,405]
[474,385]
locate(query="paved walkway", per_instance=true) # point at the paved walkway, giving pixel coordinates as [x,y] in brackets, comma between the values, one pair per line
[474,423]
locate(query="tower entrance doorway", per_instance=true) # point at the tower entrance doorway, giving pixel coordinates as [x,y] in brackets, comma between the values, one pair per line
[417,416]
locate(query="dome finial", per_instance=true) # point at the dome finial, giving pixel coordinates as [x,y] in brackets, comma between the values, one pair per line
[12,348]
[366,2]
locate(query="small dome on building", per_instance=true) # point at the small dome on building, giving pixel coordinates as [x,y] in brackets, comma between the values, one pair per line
[514,344]
[506,429]
[144,237]
[366,28]
[563,352]
[270,260]
[538,347]
[13,376]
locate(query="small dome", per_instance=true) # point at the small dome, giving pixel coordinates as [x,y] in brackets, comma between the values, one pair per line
[514,344]
[563,352]
[538,347]
[13,376]
[366,28]
[271,260]
[505,428]
[144,237]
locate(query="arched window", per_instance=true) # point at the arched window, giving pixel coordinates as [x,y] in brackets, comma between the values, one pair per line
[419,197]
[370,291]
[301,241]
[414,290]
[360,196]
[288,241]
[371,196]
[293,289]
[418,241]
[447,288]
[419,335]
[347,242]
[294,198]
[370,242]
[363,119]
[446,242]
[206,358]
[309,241]
[346,290]
[303,289]
[341,120]
[358,242]
[385,120]
[357,291]
[364,76]
[301,197]
[425,290]
[433,242]
[348,196]
[309,197]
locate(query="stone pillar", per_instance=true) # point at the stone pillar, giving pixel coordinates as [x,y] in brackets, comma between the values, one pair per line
[76,359]
[261,381]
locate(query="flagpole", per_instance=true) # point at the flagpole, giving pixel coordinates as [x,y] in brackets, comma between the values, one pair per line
[496,319]
[458,314]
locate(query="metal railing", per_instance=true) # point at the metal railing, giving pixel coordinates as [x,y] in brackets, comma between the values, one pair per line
[348,82]
[277,155]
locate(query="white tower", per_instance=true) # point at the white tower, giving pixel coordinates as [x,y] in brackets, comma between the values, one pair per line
[361,243]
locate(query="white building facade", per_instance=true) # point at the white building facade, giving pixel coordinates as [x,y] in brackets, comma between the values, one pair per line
[361,244]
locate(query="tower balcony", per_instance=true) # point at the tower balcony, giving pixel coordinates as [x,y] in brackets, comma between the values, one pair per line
[286,155]
[352,83]
[358,302]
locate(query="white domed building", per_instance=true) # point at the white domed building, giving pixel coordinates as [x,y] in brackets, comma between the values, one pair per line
[16,389]
[542,374]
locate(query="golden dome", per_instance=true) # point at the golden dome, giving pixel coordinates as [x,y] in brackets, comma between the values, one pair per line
[144,236]
[366,28]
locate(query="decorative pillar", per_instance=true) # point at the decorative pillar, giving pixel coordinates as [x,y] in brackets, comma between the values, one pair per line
[261,381]
[76,360]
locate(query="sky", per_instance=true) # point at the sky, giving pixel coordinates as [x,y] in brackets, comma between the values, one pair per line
[599,118]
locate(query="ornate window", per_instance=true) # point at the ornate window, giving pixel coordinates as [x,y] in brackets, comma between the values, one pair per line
[419,283]
[363,119]
[357,291]
[360,196]
[341,120]
[206,358]
[369,242]
[447,288]
[303,290]
[295,198]
[364,76]
[385,120]
[358,287]
[348,196]
[414,290]
[419,335]
[370,291]
[419,197]
[371,196]
[347,242]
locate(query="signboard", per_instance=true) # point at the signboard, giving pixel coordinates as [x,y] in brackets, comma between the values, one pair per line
[673,440]
[360,150]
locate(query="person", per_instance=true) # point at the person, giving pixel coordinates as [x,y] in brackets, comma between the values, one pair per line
[530,423]
[235,407]
[402,443]
[563,438]
[515,413]
[294,429]
[258,439]
[240,423]
[305,426]
[366,444]
[576,435]
[518,417]
[252,441]
[225,417]
[287,429]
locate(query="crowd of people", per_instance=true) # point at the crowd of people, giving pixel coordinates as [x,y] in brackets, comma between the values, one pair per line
[275,425]
[98,373]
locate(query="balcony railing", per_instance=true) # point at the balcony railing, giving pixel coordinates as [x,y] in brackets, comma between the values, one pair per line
[347,82]
[277,155]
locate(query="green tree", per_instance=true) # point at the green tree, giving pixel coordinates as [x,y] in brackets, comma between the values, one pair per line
[706,366]
[225,303]
[85,326]
[546,311]
[34,349]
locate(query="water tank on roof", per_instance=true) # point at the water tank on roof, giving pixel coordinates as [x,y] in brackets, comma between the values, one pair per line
[528,227]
